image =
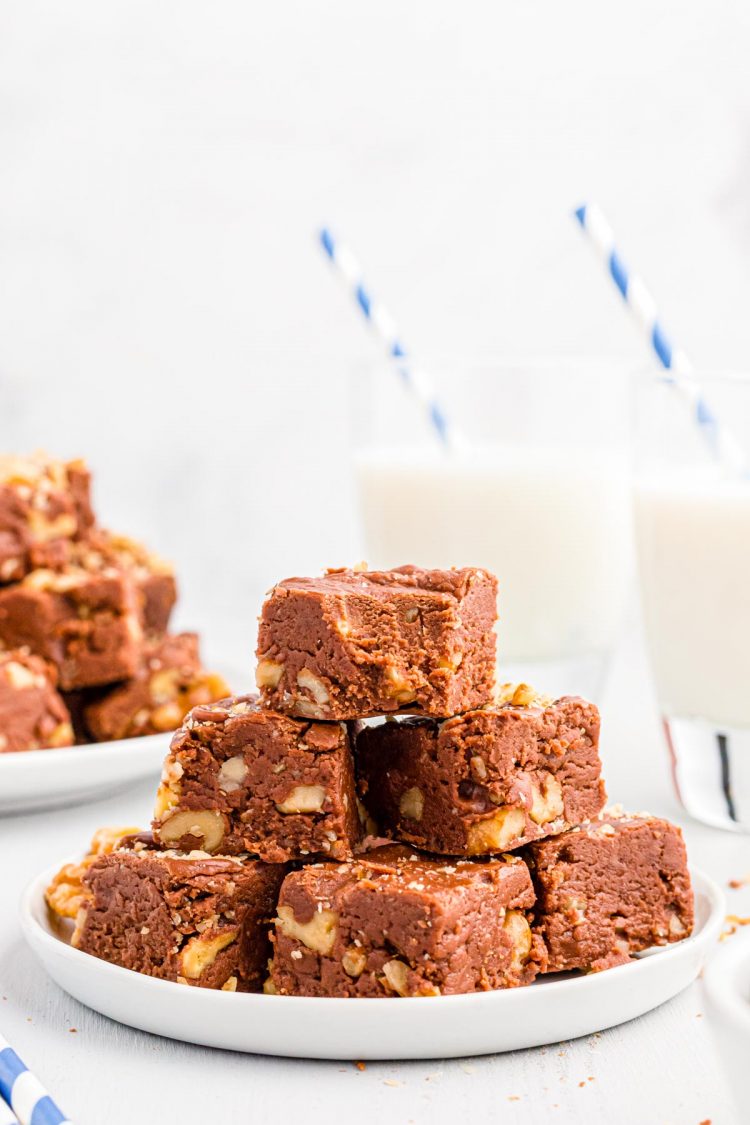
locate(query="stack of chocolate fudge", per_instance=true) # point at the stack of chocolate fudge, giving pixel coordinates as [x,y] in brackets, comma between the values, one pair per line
[381,821]
[85,654]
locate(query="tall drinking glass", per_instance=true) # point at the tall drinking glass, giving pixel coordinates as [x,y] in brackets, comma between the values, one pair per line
[537,490]
[693,535]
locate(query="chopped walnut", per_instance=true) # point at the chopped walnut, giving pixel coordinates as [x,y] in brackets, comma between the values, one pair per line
[204,824]
[522,695]
[200,952]
[318,934]
[268,673]
[303,799]
[411,804]
[232,774]
[547,802]
[495,833]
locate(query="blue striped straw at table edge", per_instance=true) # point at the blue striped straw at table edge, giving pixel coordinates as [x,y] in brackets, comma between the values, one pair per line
[384,325]
[24,1093]
[632,288]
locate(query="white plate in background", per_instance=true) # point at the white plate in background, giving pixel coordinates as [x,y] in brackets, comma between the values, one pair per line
[551,1010]
[45,779]
[70,775]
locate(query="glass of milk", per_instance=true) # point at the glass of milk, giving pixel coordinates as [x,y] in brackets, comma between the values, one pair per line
[693,536]
[537,490]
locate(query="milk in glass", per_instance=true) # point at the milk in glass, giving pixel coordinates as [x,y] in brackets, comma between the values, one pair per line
[553,523]
[692,516]
[694,549]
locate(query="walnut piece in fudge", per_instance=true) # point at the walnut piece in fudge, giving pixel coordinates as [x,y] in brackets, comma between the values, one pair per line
[486,781]
[168,683]
[196,919]
[44,504]
[33,715]
[395,923]
[86,624]
[358,643]
[241,778]
[610,888]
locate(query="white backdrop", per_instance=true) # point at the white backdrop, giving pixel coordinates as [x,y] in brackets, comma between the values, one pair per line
[164,308]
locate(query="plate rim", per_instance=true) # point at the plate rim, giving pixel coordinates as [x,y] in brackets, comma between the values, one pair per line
[81,752]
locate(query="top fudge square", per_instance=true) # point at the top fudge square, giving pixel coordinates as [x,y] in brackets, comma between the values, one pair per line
[354,644]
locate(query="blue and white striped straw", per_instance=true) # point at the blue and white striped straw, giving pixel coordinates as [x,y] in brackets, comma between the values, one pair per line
[384,326]
[640,302]
[24,1093]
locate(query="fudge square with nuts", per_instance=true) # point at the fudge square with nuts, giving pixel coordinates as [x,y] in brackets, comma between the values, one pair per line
[169,681]
[241,778]
[357,643]
[196,919]
[154,579]
[86,624]
[486,781]
[33,715]
[610,888]
[396,923]
[44,504]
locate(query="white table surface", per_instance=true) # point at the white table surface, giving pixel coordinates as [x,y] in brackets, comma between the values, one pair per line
[659,1069]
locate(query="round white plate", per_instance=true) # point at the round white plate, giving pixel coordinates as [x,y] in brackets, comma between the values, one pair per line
[551,1010]
[44,779]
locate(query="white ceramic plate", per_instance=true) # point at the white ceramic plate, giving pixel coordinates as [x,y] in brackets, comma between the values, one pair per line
[441,1027]
[44,779]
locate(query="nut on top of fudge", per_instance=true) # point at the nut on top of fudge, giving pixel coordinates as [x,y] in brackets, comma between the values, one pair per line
[393,922]
[358,643]
[610,888]
[487,781]
[241,778]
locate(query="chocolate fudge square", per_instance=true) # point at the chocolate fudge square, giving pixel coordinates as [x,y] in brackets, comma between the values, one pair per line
[396,923]
[242,778]
[32,713]
[357,643]
[44,504]
[609,889]
[196,919]
[169,681]
[87,625]
[485,781]
[154,578]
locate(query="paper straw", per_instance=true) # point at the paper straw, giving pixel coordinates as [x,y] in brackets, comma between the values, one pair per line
[633,290]
[24,1093]
[385,328]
